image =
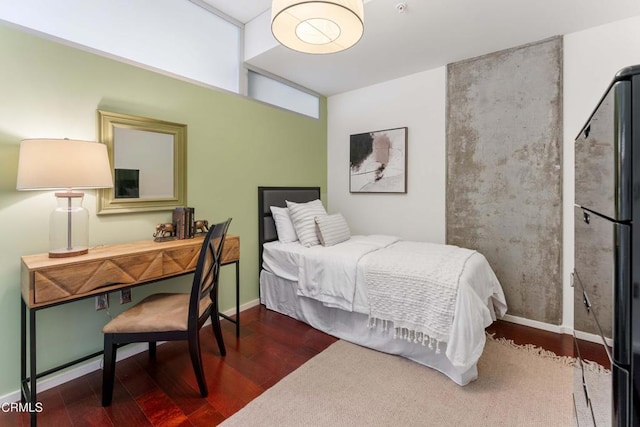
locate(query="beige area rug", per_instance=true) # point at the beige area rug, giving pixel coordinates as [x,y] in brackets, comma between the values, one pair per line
[348,385]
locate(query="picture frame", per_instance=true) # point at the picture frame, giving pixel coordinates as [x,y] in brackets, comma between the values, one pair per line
[378,161]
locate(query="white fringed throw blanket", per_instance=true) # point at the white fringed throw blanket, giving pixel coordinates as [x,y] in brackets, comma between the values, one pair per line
[412,287]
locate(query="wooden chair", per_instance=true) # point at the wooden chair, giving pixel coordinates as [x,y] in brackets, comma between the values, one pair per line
[170,317]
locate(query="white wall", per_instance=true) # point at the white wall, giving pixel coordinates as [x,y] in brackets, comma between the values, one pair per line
[169,35]
[417,102]
[257,36]
[591,59]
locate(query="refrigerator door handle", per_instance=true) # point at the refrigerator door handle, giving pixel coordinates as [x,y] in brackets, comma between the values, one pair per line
[586,302]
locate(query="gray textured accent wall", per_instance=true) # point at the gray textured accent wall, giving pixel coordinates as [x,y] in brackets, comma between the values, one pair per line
[504,171]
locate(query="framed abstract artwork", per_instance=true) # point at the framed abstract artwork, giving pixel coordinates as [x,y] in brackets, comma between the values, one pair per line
[378,161]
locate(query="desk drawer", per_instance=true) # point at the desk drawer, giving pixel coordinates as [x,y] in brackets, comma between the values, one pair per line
[231,250]
[46,281]
[180,260]
[59,283]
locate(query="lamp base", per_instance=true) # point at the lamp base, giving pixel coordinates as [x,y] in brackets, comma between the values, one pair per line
[65,253]
[69,227]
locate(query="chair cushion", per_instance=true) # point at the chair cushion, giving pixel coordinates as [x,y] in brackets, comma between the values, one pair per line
[155,313]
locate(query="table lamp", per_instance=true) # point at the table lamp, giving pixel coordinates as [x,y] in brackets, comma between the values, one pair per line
[53,164]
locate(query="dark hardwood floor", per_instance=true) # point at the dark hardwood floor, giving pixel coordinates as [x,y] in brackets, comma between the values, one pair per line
[560,344]
[165,393]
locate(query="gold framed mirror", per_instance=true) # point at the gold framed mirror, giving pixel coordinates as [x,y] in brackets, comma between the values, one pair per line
[148,161]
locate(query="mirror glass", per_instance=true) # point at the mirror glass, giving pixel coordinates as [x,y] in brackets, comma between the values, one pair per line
[148,159]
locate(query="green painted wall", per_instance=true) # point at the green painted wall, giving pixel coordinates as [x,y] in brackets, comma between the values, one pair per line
[234,145]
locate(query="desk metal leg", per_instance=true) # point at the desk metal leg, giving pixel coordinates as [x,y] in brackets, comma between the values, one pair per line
[23,348]
[33,373]
[237,319]
[28,384]
[237,299]
[28,388]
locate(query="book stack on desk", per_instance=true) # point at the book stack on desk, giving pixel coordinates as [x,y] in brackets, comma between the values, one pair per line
[183,218]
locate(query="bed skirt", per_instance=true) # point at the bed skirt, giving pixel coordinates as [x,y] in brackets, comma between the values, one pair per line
[279,295]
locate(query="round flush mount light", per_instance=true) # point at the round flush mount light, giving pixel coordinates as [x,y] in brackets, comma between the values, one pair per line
[317,26]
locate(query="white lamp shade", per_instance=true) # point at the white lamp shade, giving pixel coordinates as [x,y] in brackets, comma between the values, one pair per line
[50,164]
[317,26]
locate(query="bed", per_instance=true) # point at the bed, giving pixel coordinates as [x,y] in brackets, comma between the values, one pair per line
[358,288]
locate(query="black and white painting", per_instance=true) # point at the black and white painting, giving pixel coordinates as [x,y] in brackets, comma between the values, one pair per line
[378,161]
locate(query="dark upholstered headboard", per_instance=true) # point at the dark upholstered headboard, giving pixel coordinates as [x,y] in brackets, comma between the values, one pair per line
[277,196]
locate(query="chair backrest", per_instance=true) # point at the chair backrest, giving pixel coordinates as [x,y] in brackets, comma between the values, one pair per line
[204,290]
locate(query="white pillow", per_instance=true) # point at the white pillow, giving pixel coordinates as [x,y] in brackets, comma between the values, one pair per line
[332,229]
[302,215]
[284,226]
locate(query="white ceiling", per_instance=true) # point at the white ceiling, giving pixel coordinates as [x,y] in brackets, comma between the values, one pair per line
[430,34]
[241,10]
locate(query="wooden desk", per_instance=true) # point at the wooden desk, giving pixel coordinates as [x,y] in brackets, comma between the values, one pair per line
[47,282]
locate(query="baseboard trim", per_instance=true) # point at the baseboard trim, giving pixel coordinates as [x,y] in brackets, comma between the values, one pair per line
[585,336]
[558,329]
[95,364]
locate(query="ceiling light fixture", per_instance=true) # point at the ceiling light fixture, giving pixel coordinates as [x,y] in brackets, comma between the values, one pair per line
[317,26]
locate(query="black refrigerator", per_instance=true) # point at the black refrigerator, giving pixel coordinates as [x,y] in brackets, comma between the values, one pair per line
[606,276]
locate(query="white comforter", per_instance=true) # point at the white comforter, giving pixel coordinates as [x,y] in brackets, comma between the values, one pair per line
[330,274]
[414,286]
[336,276]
